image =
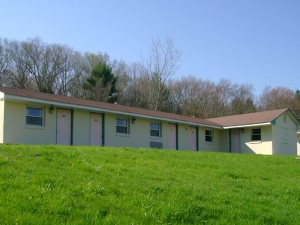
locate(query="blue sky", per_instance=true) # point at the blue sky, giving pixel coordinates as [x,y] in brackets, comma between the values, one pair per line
[253,42]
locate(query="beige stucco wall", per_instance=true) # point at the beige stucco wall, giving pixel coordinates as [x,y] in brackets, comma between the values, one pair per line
[1,120]
[280,138]
[209,146]
[285,135]
[257,147]
[16,130]
[139,132]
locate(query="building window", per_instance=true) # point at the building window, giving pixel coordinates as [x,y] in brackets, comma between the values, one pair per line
[209,137]
[122,126]
[256,134]
[34,116]
[155,129]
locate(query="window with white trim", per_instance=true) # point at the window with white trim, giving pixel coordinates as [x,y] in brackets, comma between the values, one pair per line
[155,129]
[122,126]
[209,135]
[34,116]
[256,134]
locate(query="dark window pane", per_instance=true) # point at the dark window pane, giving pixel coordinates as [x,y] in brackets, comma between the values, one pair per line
[122,122]
[256,131]
[34,112]
[154,129]
[208,132]
[154,126]
[122,130]
[34,116]
[208,138]
[34,120]
[256,137]
[122,126]
[256,134]
[154,133]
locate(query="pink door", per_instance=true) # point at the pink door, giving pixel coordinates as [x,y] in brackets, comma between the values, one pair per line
[172,136]
[193,138]
[63,132]
[96,129]
[235,141]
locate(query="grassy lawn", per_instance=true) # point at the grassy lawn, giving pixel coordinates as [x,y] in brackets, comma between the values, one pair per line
[88,185]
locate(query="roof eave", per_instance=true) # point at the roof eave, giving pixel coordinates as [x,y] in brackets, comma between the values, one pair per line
[102,110]
[247,125]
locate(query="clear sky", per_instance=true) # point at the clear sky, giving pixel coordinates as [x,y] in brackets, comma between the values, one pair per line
[253,42]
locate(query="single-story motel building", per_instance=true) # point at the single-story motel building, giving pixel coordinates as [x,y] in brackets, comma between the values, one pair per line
[29,117]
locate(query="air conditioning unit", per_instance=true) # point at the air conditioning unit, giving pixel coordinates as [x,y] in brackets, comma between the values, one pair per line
[156,144]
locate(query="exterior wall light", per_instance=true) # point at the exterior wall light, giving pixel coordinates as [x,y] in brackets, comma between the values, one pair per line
[51,110]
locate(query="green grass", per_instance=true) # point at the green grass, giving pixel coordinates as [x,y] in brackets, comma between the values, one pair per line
[86,185]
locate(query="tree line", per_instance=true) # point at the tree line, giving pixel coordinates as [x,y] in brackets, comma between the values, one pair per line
[55,68]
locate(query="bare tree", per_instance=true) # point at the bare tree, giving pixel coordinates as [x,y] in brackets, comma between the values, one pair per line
[222,98]
[159,68]
[201,98]
[48,65]
[81,69]
[4,61]
[18,74]
[243,99]
[193,97]
[65,71]
[33,64]
[130,86]
[94,59]
[177,97]
[277,98]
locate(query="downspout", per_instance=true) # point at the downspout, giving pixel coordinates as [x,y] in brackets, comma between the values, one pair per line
[103,129]
[230,140]
[72,125]
[197,138]
[176,136]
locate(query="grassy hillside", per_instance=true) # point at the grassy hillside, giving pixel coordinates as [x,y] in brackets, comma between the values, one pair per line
[86,185]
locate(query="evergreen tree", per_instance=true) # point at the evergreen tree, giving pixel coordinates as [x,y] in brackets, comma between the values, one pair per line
[101,84]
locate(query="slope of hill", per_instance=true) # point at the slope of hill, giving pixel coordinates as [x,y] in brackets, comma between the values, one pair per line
[90,185]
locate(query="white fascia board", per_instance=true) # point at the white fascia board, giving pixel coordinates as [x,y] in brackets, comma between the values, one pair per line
[2,95]
[248,125]
[101,110]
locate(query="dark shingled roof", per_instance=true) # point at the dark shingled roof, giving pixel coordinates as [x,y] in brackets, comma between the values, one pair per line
[248,118]
[105,106]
